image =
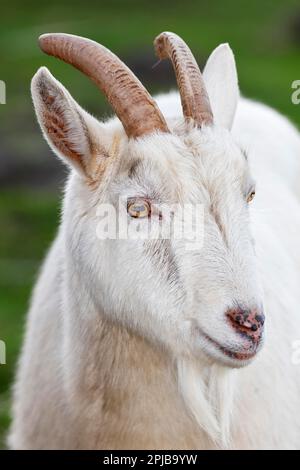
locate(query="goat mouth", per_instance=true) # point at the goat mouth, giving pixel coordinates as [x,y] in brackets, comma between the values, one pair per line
[243,356]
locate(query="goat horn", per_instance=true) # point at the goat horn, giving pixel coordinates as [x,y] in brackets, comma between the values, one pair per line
[132,103]
[194,97]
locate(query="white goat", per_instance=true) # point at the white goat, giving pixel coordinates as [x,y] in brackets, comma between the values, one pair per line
[141,343]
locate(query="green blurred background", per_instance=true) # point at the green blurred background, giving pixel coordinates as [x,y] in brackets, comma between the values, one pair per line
[265,36]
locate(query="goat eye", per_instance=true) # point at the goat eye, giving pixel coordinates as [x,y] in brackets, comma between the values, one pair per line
[251,196]
[138,209]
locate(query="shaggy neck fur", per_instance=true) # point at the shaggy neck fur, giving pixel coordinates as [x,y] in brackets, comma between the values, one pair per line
[123,380]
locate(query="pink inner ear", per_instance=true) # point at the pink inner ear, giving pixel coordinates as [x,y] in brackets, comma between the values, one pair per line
[72,133]
[58,133]
[56,126]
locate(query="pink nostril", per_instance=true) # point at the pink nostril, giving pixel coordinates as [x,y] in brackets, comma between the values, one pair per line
[248,323]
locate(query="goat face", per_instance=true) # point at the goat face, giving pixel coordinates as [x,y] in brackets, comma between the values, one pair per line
[194,297]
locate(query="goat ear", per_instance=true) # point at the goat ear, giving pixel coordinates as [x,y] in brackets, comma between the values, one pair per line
[74,135]
[221,80]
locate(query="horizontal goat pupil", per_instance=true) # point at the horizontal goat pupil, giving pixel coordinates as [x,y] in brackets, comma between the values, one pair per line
[139,208]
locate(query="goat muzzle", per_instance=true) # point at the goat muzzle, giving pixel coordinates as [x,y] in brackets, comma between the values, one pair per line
[247,323]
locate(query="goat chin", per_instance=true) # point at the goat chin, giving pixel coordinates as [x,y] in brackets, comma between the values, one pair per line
[208,393]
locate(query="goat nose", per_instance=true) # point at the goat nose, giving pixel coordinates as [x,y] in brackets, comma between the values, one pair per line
[249,323]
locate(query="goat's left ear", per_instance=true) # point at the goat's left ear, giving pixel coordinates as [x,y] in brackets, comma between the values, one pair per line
[82,142]
[221,80]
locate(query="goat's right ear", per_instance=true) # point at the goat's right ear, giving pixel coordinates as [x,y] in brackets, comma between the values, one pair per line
[74,135]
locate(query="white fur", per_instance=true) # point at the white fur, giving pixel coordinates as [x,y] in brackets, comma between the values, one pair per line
[115,354]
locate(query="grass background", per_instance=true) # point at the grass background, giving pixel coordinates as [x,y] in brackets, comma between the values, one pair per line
[264,34]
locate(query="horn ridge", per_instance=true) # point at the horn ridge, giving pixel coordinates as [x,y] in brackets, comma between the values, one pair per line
[130,100]
[193,94]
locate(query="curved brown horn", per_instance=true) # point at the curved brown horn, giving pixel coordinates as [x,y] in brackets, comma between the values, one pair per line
[132,103]
[194,98]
